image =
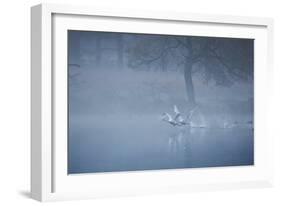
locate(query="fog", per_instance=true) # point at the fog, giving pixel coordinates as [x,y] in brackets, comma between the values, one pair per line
[121,84]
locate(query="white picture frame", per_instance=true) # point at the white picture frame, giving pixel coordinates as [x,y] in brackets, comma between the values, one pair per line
[49,178]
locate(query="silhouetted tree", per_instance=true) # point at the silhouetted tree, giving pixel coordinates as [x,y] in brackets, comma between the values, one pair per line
[223,60]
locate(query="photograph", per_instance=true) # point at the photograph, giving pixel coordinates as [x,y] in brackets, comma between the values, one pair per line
[140,101]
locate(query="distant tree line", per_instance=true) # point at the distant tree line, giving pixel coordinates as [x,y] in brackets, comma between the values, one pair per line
[222,60]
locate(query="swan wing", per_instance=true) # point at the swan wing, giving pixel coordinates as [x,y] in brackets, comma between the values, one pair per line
[177,114]
[170,119]
[176,110]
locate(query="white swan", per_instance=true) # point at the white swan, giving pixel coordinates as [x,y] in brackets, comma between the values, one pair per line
[168,118]
[177,120]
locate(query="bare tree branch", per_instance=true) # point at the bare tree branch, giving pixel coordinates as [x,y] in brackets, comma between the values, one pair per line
[153,59]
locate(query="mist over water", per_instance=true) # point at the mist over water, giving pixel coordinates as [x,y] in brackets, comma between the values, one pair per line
[147,144]
[115,113]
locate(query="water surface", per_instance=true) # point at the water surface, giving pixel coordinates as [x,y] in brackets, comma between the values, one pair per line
[145,143]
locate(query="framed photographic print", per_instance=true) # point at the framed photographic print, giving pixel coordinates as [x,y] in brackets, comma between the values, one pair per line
[133,102]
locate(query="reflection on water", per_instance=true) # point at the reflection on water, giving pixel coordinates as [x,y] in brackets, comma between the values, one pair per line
[179,146]
[176,143]
[179,143]
[206,147]
[100,149]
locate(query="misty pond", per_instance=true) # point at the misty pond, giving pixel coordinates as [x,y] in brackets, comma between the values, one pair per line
[149,102]
[150,145]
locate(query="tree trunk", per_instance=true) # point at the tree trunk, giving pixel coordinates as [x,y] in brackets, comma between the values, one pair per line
[188,82]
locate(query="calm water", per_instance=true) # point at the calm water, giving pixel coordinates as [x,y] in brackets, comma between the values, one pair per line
[145,143]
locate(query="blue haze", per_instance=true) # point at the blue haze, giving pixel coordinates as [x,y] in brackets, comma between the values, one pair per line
[115,108]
